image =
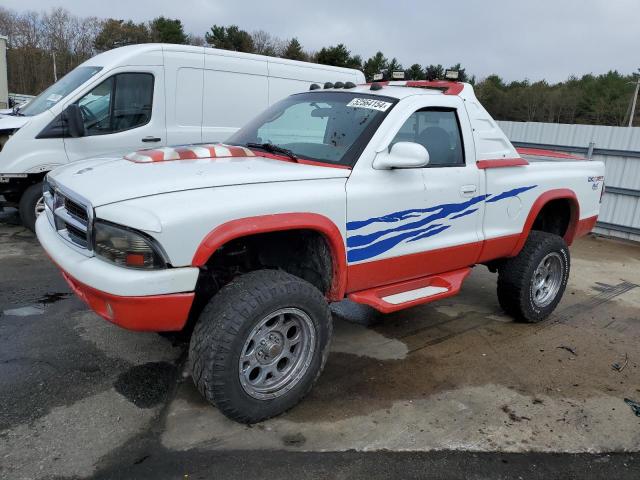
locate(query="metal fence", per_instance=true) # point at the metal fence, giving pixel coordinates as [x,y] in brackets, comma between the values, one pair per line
[618,147]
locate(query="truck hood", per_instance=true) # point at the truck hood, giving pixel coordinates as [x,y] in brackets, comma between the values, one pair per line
[108,180]
[12,122]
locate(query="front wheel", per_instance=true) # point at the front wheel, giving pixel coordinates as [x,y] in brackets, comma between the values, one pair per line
[531,285]
[260,344]
[31,205]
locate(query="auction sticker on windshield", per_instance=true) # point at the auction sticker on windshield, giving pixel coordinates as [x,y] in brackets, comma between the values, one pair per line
[369,103]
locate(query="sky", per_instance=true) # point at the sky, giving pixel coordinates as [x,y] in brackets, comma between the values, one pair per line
[516,39]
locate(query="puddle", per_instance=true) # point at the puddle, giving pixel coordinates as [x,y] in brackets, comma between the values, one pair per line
[36,308]
[25,311]
[147,385]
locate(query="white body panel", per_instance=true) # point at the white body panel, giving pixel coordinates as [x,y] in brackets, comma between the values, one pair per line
[199,94]
[179,202]
[109,278]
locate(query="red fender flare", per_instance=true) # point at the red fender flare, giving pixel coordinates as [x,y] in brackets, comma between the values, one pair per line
[538,205]
[278,222]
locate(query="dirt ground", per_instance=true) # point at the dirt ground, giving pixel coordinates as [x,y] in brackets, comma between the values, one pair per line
[81,397]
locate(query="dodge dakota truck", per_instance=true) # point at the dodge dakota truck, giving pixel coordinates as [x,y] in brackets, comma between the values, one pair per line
[386,194]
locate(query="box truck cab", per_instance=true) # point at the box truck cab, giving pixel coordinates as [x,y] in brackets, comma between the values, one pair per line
[142,96]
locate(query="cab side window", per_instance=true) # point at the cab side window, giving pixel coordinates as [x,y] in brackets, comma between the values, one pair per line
[121,102]
[438,130]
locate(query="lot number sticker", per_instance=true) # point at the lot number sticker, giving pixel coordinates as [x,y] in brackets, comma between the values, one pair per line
[369,103]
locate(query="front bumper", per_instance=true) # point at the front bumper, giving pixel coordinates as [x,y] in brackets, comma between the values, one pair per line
[157,300]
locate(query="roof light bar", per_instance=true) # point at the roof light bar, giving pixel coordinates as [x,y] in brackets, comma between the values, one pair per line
[451,74]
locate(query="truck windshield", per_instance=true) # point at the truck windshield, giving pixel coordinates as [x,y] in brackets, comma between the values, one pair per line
[58,90]
[329,126]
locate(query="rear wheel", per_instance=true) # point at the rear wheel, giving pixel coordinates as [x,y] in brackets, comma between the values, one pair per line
[260,344]
[31,205]
[531,285]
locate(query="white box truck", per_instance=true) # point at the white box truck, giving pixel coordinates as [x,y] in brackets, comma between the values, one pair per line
[142,96]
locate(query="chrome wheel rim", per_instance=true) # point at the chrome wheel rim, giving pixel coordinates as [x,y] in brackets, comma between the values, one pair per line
[547,279]
[39,208]
[277,353]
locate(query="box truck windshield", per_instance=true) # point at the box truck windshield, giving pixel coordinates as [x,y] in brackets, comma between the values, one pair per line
[58,90]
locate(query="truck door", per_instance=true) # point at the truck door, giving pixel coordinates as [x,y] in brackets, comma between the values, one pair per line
[124,112]
[409,223]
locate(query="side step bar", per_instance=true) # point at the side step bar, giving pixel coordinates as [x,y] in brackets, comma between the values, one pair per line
[398,296]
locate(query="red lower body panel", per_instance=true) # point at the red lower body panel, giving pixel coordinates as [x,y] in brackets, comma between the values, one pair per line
[585,226]
[154,313]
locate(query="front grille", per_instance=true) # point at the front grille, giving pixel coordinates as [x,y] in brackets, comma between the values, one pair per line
[76,209]
[76,235]
[70,216]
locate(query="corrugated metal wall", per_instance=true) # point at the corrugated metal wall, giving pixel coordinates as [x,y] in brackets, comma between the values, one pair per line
[618,147]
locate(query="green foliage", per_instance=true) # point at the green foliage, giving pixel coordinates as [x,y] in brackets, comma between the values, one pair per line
[414,72]
[293,50]
[167,30]
[338,56]
[376,64]
[434,72]
[117,33]
[598,100]
[394,66]
[230,38]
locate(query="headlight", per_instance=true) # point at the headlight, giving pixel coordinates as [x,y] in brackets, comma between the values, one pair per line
[125,247]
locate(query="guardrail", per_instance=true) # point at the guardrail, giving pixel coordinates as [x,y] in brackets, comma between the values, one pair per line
[617,147]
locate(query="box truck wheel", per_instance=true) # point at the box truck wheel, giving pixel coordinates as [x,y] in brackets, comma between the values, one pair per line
[260,344]
[31,205]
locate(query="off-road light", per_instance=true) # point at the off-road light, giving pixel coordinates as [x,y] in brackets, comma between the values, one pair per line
[126,247]
[398,75]
[377,77]
[451,74]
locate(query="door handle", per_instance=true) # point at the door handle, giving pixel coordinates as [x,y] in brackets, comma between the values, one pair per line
[468,190]
[151,139]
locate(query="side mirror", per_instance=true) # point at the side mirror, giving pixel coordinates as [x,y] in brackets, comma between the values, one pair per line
[402,155]
[75,121]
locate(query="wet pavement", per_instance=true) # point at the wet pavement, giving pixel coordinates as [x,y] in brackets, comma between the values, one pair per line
[451,389]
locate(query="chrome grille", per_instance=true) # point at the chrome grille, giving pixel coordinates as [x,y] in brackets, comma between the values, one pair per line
[70,216]
[76,210]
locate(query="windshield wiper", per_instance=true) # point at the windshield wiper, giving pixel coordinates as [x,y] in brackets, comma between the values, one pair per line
[270,147]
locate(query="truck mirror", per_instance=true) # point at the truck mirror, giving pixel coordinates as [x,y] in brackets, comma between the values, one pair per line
[402,155]
[75,121]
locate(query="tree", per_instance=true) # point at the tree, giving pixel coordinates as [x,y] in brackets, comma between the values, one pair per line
[414,72]
[337,56]
[376,64]
[293,50]
[462,73]
[266,44]
[434,72]
[394,66]
[116,33]
[167,30]
[230,38]
[355,62]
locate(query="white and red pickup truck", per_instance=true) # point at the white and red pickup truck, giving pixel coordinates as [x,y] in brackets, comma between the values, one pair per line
[386,194]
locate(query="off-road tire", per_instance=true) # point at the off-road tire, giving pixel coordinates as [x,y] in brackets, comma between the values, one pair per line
[27,205]
[225,324]
[516,274]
